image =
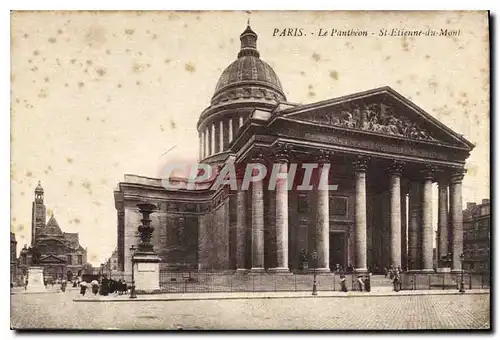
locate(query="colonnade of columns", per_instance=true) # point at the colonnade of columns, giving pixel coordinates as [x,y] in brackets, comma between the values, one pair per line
[215,137]
[418,242]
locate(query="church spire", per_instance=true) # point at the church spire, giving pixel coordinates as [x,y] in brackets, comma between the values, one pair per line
[248,43]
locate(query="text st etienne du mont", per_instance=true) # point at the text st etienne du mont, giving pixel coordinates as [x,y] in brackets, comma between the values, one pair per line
[354,32]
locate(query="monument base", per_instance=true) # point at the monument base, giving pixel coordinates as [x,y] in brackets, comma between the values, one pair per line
[146,272]
[35,280]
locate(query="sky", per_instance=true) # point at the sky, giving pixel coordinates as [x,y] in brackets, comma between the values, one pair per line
[96,95]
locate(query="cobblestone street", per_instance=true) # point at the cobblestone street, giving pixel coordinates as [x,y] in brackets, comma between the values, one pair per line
[58,310]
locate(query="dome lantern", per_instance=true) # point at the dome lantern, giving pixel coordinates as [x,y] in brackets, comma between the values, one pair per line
[248,43]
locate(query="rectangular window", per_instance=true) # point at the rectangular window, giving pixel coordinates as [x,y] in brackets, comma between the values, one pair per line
[68,259]
[80,259]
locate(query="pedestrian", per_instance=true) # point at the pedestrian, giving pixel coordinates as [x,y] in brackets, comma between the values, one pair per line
[396,282]
[95,286]
[83,287]
[360,283]
[63,286]
[25,284]
[367,283]
[343,285]
[104,286]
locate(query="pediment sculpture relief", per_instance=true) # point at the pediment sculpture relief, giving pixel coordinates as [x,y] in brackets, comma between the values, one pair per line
[378,118]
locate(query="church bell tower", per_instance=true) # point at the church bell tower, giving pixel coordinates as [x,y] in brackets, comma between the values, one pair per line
[38,217]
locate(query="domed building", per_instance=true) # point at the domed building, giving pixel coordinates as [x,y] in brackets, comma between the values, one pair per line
[379,153]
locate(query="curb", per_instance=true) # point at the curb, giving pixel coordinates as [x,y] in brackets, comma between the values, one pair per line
[271,297]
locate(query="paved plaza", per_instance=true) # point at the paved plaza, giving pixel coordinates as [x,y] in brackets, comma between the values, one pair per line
[58,310]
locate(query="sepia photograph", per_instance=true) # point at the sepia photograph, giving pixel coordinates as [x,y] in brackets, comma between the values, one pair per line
[250,170]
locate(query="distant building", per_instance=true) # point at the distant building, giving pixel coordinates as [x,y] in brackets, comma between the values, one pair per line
[111,267]
[58,252]
[477,236]
[13,258]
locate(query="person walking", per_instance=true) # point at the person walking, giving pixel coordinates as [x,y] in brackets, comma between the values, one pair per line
[343,285]
[367,283]
[396,281]
[95,286]
[361,283]
[83,287]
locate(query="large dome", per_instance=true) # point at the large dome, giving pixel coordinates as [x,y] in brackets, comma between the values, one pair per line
[249,68]
[248,76]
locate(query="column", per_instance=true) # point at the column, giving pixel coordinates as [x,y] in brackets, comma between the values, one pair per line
[207,144]
[241,224]
[230,130]
[404,224]
[221,136]
[427,230]
[203,155]
[360,167]
[395,210]
[456,214]
[240,122]
[212,142]
[322,220]
[257,223]
[414,226]
[281,215]
[442,246]
[200,145]
[293,230]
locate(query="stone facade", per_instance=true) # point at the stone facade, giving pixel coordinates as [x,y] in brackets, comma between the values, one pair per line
[59,253]
[477,233]
[383,152]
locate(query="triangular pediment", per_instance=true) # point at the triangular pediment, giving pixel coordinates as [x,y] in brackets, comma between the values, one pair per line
[380,111]
[51,259]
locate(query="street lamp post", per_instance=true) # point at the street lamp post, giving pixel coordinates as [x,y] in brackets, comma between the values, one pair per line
[462,290]
[314,256]
[132,287]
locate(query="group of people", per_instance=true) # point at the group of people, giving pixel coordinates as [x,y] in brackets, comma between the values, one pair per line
[105,287]
[394,273]
[363,281]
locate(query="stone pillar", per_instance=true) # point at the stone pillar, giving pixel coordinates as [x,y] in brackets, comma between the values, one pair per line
[360,167]
[212,142]
[442,246]
[395,211]
[293,230]
[230,131]
[404,225]
[456,214]
[202,151]
[427,230]
[221,136]
[200,145]
[241,225]
[322,220]
[414,262]
[257,223]
[240,121]
[281,215]
[207,143]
